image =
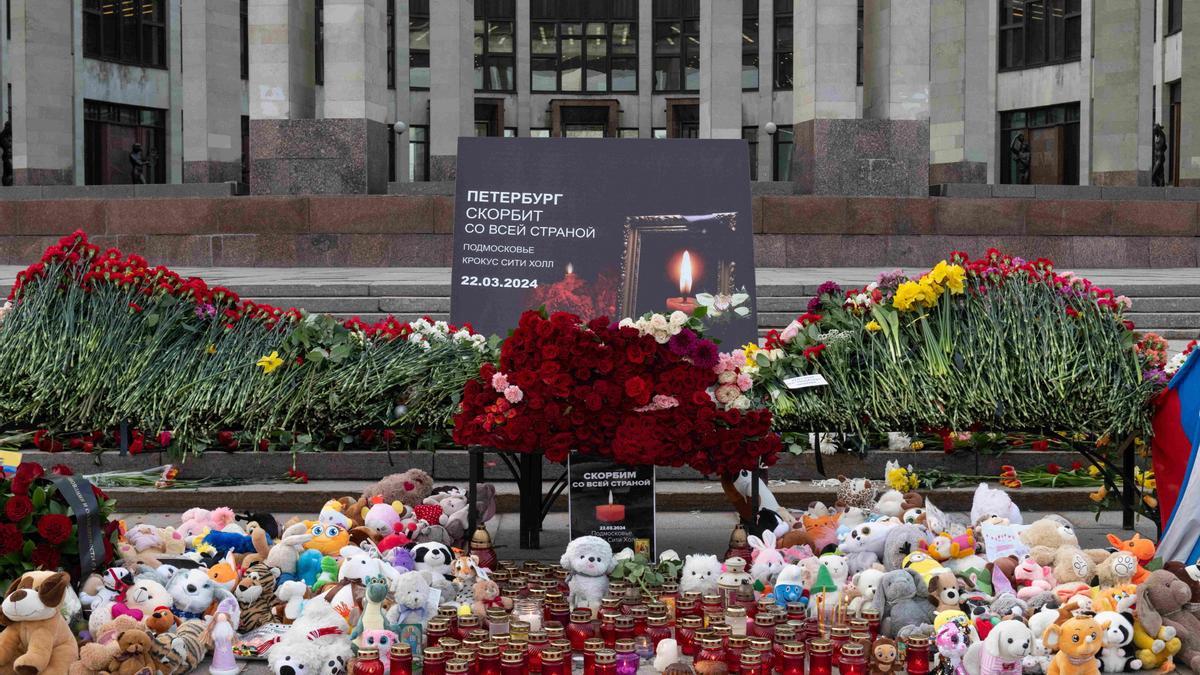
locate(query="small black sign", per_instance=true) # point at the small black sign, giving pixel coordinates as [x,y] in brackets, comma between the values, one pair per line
[613,502]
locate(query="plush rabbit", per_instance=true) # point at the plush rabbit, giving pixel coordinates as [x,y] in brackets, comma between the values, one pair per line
[766,560]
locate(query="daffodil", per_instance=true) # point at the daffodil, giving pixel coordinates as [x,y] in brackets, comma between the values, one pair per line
[212,349]
[1093,470]
[270,362]
[750,349]
[873,326]
[906,296]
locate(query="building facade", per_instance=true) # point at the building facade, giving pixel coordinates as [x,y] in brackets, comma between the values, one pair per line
[833,96]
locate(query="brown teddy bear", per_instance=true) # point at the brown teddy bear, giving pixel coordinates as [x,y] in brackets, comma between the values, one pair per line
[95,656]
[36,637]
[487,596]
[1052,541]
[133,655]
[410,488]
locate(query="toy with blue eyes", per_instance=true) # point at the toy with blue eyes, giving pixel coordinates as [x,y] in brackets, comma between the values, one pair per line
[327,538]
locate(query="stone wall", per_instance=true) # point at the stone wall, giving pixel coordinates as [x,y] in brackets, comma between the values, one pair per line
[790,230]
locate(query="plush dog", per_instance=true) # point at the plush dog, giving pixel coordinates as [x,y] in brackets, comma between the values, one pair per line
[1078,640]
[36,637]
[589,561]
[1001,652]
[944,591]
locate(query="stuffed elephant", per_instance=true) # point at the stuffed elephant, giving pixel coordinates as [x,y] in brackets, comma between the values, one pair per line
[903,596]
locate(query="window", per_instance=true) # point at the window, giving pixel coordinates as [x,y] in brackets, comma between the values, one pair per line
[627,132]
[391,150]
[489,117]
[860,43]
[1040,145]
[245,28]
[1174,16]
[391,54]
[781,154]
[749,45]
[578,46]
[245,149]
[319,42]
[658,132]
[676,45]
[110,132]
[1039,32]
[683,118]
[783,44]
[494,50]
[126,31]
[418,153]
[750,135]
[418,44]
[539,133]
[1175,90]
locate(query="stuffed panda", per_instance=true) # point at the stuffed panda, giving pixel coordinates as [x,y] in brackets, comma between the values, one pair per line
[434,557]
[1117,654]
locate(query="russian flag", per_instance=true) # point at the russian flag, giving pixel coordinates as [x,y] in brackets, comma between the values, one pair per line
[1176,439]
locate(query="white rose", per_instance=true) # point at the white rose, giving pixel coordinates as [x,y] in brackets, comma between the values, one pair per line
[678,318]
[658,322]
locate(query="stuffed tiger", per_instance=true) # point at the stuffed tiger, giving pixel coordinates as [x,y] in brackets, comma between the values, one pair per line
[255,594]
[183,650]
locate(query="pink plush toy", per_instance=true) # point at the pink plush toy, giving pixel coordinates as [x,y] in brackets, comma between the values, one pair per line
[383,519]
[1032,579]
[196,521]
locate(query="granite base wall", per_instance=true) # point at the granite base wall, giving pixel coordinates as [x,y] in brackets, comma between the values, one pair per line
[790,230]
[861,157]
[317,156]
[211,172]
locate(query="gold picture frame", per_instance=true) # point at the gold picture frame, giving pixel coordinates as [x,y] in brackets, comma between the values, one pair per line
[637,227]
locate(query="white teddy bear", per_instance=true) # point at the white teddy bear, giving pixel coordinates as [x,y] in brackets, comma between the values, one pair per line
[865,584]
[700,574]
[589,560]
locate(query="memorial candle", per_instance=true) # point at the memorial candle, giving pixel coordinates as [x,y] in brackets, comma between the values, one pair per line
[684,303]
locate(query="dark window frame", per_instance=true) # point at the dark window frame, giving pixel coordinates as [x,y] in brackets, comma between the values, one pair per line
[423,132]
[135,51]
[1059,40]
[391,56]
[569,14]
[319,42]
[244,27]
[782,59]
[488,15]
[750,135]
[418,9]
[1070,118]
[861,28]
[1173,21]
[750,44]
[682,18]
[778,143]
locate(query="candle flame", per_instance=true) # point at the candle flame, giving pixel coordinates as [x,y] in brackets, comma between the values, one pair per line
[610,497]
[570,268]
[685,274]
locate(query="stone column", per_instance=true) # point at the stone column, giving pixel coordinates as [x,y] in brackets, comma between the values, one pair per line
[1117,92]
[281,91]
[1189,127]
[42,71]
[452,85]
[212,92]
[959,91]
[720,69]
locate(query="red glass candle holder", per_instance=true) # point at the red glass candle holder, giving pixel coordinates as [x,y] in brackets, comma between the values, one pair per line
[580,629]
[555,662]
[793,659]
[657,629]
[606,662]
[854,660]
[820,657]
[685,634]
[751,663]
[513,662]
[916,655]
[838,637]
[400,659]
[368,663]
[735,646]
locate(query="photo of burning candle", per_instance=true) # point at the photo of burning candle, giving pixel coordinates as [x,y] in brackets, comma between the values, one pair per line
[610,513]
[685,302]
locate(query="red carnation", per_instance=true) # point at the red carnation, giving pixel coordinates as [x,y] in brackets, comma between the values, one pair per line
[1053,469]
[10,539]
[17,508]
[45,557]
[54,528]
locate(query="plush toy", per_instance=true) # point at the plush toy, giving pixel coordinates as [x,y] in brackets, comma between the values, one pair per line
[1117,654]
[36,637]
[861,592]
[193,593]
[1143,549]
[382,518]
[133,655]
[890,503]
[1038,659]
[161,620]
[883,656]
[409,488]
[994,506]
[373,617]
[1118,569]
[869,537]
[902,596]
[255,594]
[921,563]
[900,541]
[328,539]
[147,594]
[821,531]
[766,560]
[1055,544]
[1031,579]
[1155,650]
[1001,652]
[951,643]
[944,591]
[589,561]
[858,492]
[486,594]
[283,556]
[766,498]
[145,544]
[412,600]
[308,567]
[360,566]
[1008,606]
[315,644]
[96,654]
[224,574]
[1160,602]
[700,574]
[290,596]
[196,521]
[1078,640]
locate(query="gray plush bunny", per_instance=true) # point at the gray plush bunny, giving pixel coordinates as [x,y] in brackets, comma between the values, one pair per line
[902,595]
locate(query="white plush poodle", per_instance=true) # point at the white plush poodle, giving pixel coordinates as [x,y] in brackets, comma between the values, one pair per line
[700,574]
[1006,644]
[589,560]
[869,537]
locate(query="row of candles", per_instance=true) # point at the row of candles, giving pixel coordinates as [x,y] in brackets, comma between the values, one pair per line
[541,634]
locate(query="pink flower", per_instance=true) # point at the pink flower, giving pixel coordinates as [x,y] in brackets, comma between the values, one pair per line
[499,382]
[789,333]
[726,393]
[744,382]
[513,393]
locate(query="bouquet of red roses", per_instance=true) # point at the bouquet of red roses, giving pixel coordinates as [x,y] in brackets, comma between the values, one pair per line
[38,530]
[639,392]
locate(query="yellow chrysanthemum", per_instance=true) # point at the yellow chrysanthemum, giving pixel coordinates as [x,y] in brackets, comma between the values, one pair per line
[212,349]
[270,362]
[873,326]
